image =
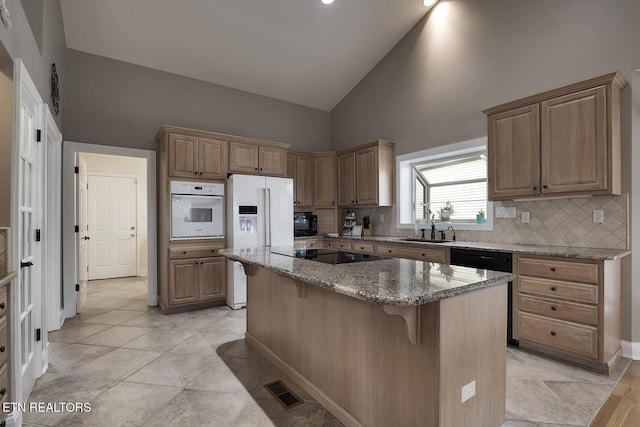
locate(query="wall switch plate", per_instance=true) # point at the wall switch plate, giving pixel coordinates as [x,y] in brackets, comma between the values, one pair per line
[468,391]
[598,216]
[504,212]
[525,217]
[381,217]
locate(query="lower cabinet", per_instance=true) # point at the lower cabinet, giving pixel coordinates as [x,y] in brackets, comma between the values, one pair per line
[429,253]
[196,278]
[569,309]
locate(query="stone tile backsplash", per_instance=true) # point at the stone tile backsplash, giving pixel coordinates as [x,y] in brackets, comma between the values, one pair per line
[555,222]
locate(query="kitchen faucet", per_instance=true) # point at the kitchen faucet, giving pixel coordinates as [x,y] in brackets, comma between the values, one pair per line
[454,232]
[433,227]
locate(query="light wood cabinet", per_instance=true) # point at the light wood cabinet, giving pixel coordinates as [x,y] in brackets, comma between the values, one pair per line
[256,159]
[365,175]
[196,280]
[307,243]
[325,180]
[300,169]
[212,278]
[196,157]
[562,142]
[569,309]
[422,253]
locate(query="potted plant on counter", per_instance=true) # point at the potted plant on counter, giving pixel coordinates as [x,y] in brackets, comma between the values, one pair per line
[480,217]
[446,211]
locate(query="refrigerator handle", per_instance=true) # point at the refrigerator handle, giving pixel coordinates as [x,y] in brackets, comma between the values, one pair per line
[267,216]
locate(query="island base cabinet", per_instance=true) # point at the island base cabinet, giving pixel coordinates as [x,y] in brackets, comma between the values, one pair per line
[361,365]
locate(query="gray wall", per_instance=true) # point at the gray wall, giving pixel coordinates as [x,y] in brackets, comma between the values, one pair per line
[468,55]
[116,103]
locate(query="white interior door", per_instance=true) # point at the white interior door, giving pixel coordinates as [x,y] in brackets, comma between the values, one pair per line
[29,249]
[112,227]
[83,234]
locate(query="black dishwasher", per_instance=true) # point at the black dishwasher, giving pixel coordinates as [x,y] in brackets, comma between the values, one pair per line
[489,260]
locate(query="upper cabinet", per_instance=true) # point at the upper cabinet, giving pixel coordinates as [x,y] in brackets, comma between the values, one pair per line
[300,168]
[251,158]
[365,175]
[325,180]
[196,157]
[562,142]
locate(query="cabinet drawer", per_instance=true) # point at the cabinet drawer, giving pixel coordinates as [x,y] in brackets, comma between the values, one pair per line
[193,252]
[4,347]
[561,270]
[573,291]
[431,255]
[564,336]
[3,301]
[342,245]
[307,244]
[363,247]
[559,309]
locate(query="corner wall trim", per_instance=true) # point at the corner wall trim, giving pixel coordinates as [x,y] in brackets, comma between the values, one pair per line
[631,350]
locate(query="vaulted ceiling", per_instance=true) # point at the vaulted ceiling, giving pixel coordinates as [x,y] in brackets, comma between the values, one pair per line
[300,51]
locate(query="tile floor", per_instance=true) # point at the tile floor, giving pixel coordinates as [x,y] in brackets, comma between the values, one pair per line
[138,367]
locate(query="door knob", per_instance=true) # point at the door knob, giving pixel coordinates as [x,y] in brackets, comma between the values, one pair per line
[86,238]
[133,227]
[133,235]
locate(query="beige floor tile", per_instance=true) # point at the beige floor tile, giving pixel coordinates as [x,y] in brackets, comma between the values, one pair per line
[231,376]
[533,401]
[117,364]
[109,302]
[200,408]
[125,404]
[114,317]
[581,397]
[153,319]
[76,332]
[243,350]
[171,369]
[116,336]
[140,305]
[205,344]
[159,340]
[73,356]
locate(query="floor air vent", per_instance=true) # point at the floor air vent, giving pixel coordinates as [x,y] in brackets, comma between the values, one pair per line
[282,393]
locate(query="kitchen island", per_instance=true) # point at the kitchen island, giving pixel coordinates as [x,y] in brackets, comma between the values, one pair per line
[383,342]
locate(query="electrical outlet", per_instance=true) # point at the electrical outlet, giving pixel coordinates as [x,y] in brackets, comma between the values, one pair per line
[525,217]
[598,216]
[382,218]
[468,391]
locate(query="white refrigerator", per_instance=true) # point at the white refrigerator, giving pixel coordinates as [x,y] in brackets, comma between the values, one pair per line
[259,213]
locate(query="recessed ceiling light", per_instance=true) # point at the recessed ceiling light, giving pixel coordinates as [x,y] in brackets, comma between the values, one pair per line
[427,2]
[329,1]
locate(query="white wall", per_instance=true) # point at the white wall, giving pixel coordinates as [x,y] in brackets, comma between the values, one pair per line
[102,164]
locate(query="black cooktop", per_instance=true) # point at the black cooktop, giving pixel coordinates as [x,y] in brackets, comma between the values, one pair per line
[327,256]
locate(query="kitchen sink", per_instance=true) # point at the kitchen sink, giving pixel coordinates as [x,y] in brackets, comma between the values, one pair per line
[413,239]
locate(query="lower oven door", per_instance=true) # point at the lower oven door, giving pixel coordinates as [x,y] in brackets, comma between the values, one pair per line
[196,217]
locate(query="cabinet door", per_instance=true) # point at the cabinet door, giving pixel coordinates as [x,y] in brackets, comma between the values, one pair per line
[182,281]
[514,153]
[273,161]
[213,158]
[304,181]
[291,173]
[243,158]
[574,142]
[211,278]
[367,176]
[325,181]
[347,179]
[183,156]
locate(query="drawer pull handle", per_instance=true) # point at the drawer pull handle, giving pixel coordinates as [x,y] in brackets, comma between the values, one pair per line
[2,306]
[553,308]
[389,251]
[184,252]
[553,288]
[2,349]
[553,333]
[553,269]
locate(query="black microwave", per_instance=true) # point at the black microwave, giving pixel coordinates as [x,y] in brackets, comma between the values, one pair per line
[305,224]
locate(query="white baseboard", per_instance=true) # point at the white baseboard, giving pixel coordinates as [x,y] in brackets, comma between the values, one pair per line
[631,350]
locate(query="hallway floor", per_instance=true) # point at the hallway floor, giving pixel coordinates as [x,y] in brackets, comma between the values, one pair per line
[138,367]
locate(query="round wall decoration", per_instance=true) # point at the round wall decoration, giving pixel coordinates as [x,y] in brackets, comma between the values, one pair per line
[55,92]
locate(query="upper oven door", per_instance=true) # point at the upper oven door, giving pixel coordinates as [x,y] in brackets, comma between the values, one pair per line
[197,217]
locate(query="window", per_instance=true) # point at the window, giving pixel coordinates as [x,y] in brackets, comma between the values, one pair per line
[456,174]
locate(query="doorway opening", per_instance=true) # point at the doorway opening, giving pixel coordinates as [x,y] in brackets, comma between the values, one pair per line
[109,221]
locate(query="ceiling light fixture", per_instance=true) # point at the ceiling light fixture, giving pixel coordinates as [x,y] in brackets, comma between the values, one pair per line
[327,1]
[427,2]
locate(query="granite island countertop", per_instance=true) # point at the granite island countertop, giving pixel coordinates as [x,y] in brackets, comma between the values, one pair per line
[390,281]
[543,250]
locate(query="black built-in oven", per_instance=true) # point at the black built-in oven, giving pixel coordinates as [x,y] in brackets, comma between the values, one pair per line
[489,260]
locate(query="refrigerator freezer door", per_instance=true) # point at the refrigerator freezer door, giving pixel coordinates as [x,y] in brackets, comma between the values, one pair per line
[245,231]
[281,210]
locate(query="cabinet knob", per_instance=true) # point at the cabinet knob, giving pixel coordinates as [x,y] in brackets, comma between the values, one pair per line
[553,269]
[184,252]
[353,201]
[553,308]
[201,173]
[553,334]
[553,288]
[195,173]
[535,188]
[261,169]
[2,306]
[213,250]
[3,391]
[201,263]
[545,186]
[333,203]
[389,251]
[256,168]
[2,349]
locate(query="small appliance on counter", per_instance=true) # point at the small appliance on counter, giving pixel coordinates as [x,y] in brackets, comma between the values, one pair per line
[305,224]
[349,222]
